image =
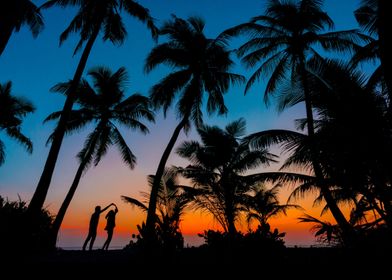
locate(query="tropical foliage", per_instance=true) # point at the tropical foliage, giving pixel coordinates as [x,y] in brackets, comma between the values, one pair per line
[16,241]
[16,13]
[340,151]
[12,111]
[171,205]
[219,172]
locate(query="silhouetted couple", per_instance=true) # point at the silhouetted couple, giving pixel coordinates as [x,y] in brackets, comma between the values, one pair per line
[110,224]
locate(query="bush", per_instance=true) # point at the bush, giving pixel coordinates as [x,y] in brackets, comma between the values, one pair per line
[261,239]
[18,233]
[167,240]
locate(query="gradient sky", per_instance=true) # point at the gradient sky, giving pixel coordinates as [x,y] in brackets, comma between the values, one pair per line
[34,66]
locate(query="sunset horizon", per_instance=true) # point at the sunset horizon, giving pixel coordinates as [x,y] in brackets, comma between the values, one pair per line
[190,134]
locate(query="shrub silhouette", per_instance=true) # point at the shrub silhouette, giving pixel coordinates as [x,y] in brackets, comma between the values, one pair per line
[17,233]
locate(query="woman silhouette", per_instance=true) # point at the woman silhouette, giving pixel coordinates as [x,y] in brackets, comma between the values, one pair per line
[110,224]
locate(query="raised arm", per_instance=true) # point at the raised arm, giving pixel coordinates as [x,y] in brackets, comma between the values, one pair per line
[104,209]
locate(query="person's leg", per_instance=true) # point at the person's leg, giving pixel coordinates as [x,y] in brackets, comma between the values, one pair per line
[85,242]
[110,235]
[93,236]
[105,245]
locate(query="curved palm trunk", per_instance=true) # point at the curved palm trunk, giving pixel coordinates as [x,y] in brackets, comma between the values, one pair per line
[150,223]
[325,191]
[64,206]
[43,185]
[6,30]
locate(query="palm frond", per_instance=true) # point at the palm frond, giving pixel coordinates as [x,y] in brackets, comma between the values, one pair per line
[266,67]
[163,93]
[236,128]
[90,145]
[265,139]
[104,141]
[2,152]
[126,153]
[15,133]
[143,14]
[114,29]
[134,202]
[302,190]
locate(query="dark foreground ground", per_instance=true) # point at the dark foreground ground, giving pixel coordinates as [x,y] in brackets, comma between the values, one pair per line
[308,263]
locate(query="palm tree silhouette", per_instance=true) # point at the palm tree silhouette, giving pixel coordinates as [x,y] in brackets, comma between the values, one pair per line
[351,118]
[202,65]
[262,204]
[282,40]
[92,18]
[13,15]
[102,104]
[354,117]
[372,17]
[12,111]
[171,204]
[217,171]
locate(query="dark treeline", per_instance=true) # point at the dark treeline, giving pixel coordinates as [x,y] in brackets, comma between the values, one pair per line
[341,150]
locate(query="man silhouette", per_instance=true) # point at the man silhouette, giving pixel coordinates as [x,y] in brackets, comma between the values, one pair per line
[92,231]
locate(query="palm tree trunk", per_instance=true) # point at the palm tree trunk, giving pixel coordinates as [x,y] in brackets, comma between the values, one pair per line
[43,185]
[231,225]
[6,30]
[229,204]
[150,223]
[325,191]
[64,206]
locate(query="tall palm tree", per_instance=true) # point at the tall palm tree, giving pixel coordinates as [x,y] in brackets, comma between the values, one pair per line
[16,13]
[218,171]
[281,41]
[92,18]
[351,118]
[105,105]
[201,66]
[12,111]
[372,16]
[171,203]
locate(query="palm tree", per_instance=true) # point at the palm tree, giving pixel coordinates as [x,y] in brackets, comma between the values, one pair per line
[102,104]
[372,16]
[217,170]
[12,112]
[262,204]
[282,40]
[201,65]
[351,118]
[16,13]
[171,203]
[92,18]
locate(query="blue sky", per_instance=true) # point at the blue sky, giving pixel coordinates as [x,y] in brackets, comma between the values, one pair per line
[35,65]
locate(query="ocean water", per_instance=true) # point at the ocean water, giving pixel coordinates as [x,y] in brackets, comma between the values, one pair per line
[73,240]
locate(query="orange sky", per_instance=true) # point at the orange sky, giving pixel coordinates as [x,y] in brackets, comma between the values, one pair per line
[76,222]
